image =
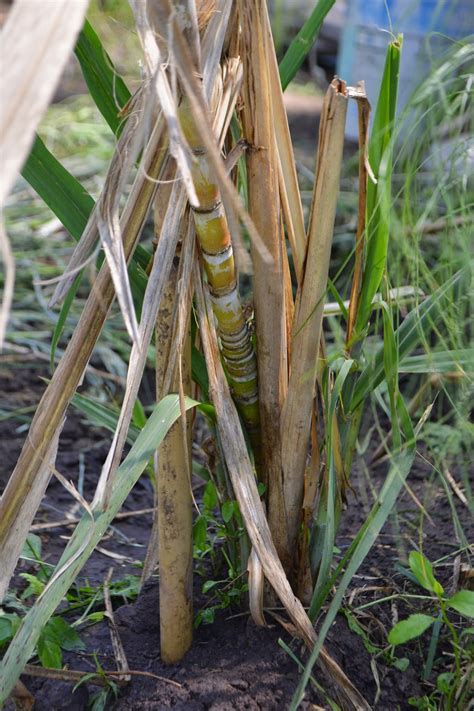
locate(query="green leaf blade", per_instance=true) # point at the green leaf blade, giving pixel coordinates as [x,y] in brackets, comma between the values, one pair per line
[463,602]
[422,569]
[411,628]
[303,42]
[379,194]
[107,88]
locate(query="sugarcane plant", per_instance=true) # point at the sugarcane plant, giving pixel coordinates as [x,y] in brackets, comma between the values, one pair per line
[204,146]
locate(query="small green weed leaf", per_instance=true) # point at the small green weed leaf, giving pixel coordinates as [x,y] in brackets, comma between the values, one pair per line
[9,623]
[95,617]
[99,700]
[444,682]
[208,585]
[210,496]
[49,649]
[423,572]
[209,615]
[401,664]
[199,532]
[408,629]
[423,703]
[66,635]
[138,416]
[463,602]
[35,587]
[127,588]
[227,511]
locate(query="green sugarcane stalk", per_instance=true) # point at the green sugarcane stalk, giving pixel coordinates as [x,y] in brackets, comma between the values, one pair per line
[215,244]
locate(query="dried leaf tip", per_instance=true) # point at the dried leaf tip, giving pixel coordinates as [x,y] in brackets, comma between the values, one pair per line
[339,85]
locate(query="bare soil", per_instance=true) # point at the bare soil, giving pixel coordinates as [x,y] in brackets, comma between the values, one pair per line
[233,664]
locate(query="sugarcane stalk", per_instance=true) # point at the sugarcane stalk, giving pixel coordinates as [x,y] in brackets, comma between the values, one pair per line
[297,409]
[175,535]
[215,244]
[269,283]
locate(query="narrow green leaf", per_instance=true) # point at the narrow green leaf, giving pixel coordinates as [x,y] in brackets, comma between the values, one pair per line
[422,569]
[326,519]
[378,195]
[107,88]
[439,362]
[303,42]
[408,629]
[415,327]
[66,197]
[102,415]
[60,323]
[463,602]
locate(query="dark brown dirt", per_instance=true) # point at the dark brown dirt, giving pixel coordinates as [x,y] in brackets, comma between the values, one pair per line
[233,664]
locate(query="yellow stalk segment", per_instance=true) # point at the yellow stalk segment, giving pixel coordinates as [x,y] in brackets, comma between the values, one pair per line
[215,244]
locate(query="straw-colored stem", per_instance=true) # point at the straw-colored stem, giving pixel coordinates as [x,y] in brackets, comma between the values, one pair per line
[297,409]
[175,525]
[269,284]
[17,507]
[363,114]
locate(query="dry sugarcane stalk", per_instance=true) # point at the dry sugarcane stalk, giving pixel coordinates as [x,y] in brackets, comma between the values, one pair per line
[269,284]
[296,415]
[18,504]
[174,497]
[363,109]
[175,534]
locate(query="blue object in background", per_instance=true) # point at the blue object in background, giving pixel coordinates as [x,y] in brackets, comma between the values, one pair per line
[428,28]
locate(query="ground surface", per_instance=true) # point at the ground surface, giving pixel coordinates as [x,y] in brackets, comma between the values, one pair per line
[233,664]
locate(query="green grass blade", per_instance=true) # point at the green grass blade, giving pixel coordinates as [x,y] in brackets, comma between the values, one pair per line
[303,42]
[60,323]
[102,416]
[394,482]
[378,195]
[439,362]
[326,520]
[63,194]
[86,536]
[419,322]
[107,88]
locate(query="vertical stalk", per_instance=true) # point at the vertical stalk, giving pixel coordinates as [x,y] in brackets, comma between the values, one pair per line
[213,235]
[175,540]
[269,283]
[297,409]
